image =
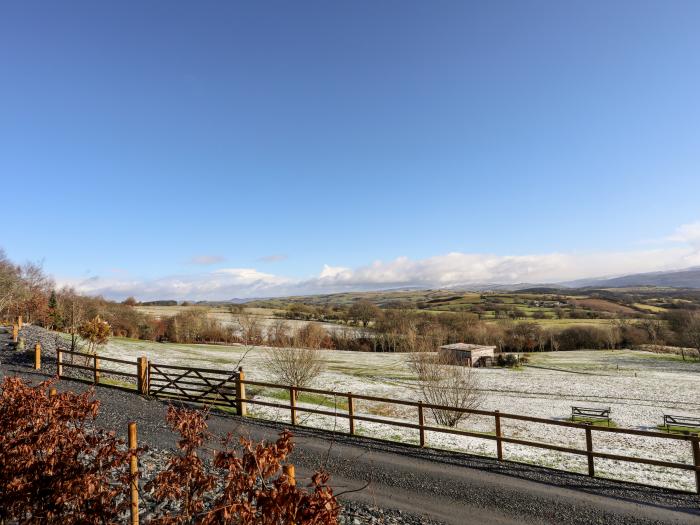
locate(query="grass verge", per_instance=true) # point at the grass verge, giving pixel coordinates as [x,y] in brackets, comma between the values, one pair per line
[677,429]
[594,422]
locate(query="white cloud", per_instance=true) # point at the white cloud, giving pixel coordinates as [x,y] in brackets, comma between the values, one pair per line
[250,276]
[334,272]
[687,233]
[463,268]
[439,271]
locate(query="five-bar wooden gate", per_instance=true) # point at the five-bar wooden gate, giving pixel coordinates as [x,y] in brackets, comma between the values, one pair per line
[194,385]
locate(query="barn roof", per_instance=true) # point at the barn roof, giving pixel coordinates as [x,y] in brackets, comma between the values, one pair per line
[466,347]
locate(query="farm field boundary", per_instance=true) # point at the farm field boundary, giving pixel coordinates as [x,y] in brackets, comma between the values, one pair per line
[227,390]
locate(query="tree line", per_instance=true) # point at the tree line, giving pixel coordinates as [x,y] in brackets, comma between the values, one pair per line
[27,291]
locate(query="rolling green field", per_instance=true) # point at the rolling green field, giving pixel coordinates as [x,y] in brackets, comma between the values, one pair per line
[556,309]
[545,303]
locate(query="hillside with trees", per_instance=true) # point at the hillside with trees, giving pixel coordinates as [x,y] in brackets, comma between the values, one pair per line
[398,321]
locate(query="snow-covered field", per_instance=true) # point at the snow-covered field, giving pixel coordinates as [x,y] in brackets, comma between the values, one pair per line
[262,315]
[638,386]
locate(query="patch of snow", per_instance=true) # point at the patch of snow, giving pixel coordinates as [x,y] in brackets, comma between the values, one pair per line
[639,387]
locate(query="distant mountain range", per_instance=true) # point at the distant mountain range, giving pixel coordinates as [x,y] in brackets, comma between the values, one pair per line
[688,278]
[494,287]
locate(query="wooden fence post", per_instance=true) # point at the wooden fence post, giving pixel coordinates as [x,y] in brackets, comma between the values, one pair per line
[292,479]
[52,392]
[351,413]
[293,404]
[19,322]
[695,442]
[15,333]
[241,406]
[37,356]
[142,375]
[59,362]
[421,422]
[134,471]
[499,443]
[589,450]
[96,368]
[291,475]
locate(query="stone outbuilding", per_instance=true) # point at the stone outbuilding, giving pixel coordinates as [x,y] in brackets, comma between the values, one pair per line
[468,354]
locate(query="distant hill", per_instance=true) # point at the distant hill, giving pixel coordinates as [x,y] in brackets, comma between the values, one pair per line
[689,278]
[495,287]
[159,303]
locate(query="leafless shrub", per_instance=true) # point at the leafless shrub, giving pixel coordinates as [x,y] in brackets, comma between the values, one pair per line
[279,333]
[193,325]
[250,329]
[311,335]
[441,382]
[294,366]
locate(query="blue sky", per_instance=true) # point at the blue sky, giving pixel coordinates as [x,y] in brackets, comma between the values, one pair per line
[215,148]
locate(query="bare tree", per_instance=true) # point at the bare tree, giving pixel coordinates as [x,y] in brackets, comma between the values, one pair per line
[363,312]
[654,329]
[250,329]
[691,334]
[36,287]
[554,342]
[441,382]
[294,366]
[236,309]
[278,334]
[10,283]
[311,335]
[542,339]
[73,311]
[130,301]
[613,335]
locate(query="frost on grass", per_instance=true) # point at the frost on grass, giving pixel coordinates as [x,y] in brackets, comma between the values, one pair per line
[640,387]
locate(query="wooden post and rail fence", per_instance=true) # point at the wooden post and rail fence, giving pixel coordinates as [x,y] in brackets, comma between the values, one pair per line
[227,390]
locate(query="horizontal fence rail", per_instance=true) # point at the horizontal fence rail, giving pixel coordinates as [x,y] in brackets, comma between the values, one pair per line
[227,389]
[93,364]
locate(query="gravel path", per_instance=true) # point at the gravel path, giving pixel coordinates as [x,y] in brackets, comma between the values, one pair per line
[397,483]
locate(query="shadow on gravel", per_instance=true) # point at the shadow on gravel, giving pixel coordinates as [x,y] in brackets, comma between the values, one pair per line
[626,491]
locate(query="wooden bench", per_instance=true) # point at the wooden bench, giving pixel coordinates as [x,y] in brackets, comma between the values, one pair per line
[681,421]
[597,414]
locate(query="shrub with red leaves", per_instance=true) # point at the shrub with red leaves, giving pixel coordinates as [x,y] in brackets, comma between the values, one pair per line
[54,466]
[254,489]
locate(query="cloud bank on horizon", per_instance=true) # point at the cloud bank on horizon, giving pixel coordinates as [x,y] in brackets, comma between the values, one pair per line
[681,250]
